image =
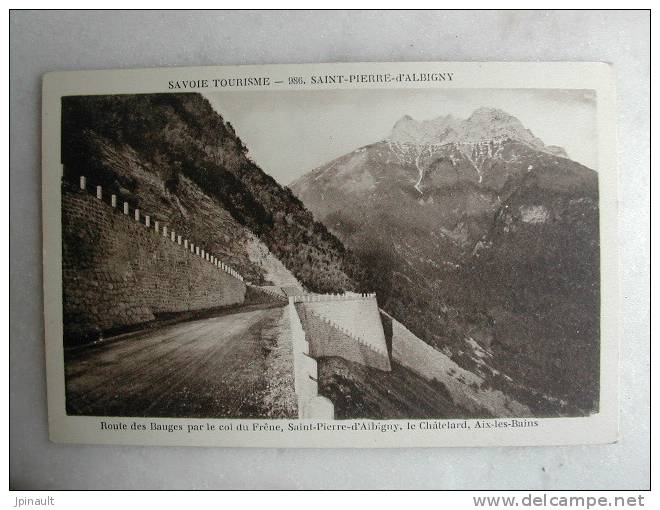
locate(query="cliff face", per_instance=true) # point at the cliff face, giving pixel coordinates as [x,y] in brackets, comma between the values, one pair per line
[478,236]
[172,153]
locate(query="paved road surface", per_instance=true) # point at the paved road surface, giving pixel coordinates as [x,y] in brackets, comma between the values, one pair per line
[212,367]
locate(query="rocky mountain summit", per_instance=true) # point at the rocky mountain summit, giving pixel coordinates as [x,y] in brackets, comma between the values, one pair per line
[483,241]
[482,136]
[484,125]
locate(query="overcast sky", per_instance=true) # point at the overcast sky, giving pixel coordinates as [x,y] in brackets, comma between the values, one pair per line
[289,133]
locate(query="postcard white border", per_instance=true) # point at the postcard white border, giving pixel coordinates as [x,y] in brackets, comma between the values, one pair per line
[598,428]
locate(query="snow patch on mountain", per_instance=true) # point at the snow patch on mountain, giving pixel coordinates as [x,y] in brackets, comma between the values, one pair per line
[534,214]
[486,128]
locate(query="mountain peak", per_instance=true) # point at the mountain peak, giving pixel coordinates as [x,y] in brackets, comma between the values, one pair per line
[485,111]
[425,132]
[484,124]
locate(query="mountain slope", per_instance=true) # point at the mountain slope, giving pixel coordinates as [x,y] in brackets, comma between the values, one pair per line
[173,154]
[476,233]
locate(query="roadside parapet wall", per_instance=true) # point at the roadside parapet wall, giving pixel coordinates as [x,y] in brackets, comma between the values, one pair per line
[347,328]
[324,298]
[311,405]
[328,339]
[358,315]
[158,228]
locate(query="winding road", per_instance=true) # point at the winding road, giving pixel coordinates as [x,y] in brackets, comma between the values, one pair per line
[213,367]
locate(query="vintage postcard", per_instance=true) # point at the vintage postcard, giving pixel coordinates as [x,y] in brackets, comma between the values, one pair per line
[332,255]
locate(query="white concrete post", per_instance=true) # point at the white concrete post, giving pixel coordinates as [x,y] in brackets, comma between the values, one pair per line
[125,207]
[196,250]
[147,220]
[99,193]
[137,214]
[173,236]
[165,231]
[178,239]
[113,201]
[83,182]
[185,243]
[156,226]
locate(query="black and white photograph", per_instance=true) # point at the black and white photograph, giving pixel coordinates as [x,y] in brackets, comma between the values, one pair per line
[345,254]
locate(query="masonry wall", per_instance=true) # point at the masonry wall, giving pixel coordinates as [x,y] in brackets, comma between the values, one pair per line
[311,405]
[117,272]
[263,295]
[327,339]
[359,315]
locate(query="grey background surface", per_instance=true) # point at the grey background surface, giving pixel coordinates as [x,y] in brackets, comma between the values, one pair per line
[47,41]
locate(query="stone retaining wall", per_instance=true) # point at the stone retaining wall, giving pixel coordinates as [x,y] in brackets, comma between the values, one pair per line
[119,269]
